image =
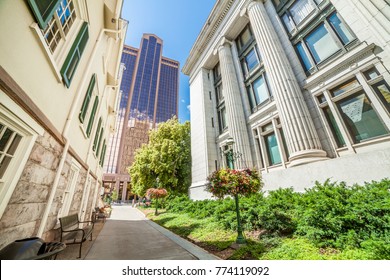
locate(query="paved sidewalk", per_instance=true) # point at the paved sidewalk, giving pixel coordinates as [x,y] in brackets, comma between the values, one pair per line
[128,235]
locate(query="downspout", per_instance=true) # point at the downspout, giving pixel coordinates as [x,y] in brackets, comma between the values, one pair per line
[66,130]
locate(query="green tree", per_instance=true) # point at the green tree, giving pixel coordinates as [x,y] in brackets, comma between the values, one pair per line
[165,161]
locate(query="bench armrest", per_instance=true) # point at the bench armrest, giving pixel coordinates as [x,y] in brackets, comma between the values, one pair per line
[92,222]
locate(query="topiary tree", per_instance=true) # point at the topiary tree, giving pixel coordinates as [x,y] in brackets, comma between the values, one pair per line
[233,182]
[156,194]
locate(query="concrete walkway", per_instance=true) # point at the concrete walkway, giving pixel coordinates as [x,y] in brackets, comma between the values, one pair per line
[128,235]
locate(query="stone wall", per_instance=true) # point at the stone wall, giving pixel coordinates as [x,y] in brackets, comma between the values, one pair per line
[24,211]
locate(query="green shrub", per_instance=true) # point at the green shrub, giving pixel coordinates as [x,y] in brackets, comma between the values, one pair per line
[294,249]
[279,211]
[251,251]
[343,217]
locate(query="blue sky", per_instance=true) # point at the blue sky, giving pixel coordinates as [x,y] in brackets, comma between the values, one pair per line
[177,23]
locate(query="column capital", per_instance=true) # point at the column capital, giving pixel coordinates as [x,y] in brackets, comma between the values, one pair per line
[223,42]
[253,3]
[245,10]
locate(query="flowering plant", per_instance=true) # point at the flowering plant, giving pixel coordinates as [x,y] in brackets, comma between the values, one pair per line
[156,194]
[233,182]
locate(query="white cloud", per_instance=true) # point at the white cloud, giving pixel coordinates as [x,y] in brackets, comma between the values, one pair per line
[189,107]
[183,101]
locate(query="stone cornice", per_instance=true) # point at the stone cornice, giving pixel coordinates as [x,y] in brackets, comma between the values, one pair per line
[217,15]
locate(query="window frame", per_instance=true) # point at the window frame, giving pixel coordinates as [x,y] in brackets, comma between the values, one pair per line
[70,189]
[43,18]
[299,33]
[87,99]
[92,116]
[74,55]
[260,134]
[22,124]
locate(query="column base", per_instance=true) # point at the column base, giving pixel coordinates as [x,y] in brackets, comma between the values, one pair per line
[307,156]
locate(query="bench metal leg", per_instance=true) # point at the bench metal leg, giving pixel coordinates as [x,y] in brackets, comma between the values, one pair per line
[80,250]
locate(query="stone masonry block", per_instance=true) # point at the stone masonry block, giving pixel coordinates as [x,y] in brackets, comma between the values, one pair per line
[27,192]
[9,235]
[25,213]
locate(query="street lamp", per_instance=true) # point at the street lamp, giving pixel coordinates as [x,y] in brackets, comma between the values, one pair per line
[231,156]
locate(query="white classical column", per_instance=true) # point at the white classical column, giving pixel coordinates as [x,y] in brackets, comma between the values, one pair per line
[300,133]
[234,108]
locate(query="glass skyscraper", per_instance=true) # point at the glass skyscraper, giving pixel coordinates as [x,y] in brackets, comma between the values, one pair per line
[149,89]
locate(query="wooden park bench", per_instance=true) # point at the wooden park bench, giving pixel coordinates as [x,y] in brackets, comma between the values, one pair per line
[71,233]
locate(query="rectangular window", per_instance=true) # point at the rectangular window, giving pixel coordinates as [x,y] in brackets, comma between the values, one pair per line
[59,24]
[321,44]
[360,118]
[371,74]
[217,73]
[288,22]
[272,149]
[99,141]
[73,176]
[303,56]
[97,135]
[334,127]
[9,142]
[245,38]
[87,99]
[351,84]
[382,89]
[103,154]
[72,60]
[260,90]
[222,119]
[92,117]
[251,59]
[300,10]
[219,94]
[43,10]
[341,29]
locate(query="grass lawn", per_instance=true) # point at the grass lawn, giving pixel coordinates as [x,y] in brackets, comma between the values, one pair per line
[210,235]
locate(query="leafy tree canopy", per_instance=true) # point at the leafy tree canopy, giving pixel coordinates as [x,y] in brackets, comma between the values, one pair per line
[167,157]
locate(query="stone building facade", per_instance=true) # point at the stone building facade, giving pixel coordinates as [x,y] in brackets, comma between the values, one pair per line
[59,82]
[302,87]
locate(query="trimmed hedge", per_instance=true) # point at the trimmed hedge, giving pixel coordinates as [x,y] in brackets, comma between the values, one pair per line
[335,215]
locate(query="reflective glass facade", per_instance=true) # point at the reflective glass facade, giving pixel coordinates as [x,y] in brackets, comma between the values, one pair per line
[129,58]
[149,96]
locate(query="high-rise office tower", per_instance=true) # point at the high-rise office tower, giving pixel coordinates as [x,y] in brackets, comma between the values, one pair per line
[149,90]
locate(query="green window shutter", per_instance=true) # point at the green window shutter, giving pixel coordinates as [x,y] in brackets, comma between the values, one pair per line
[103,155]
[87,99]
[95,141]
[100,140]
[93,113]
[43,10]
[73,58]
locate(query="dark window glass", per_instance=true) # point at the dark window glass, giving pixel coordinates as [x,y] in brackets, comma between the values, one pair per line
[303,56]
[272,149]
[371,74]
[251,59]
[260,90]
[360,118]
[341,29]
[382,89]
[321,43]
[334,127]
[351,84]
